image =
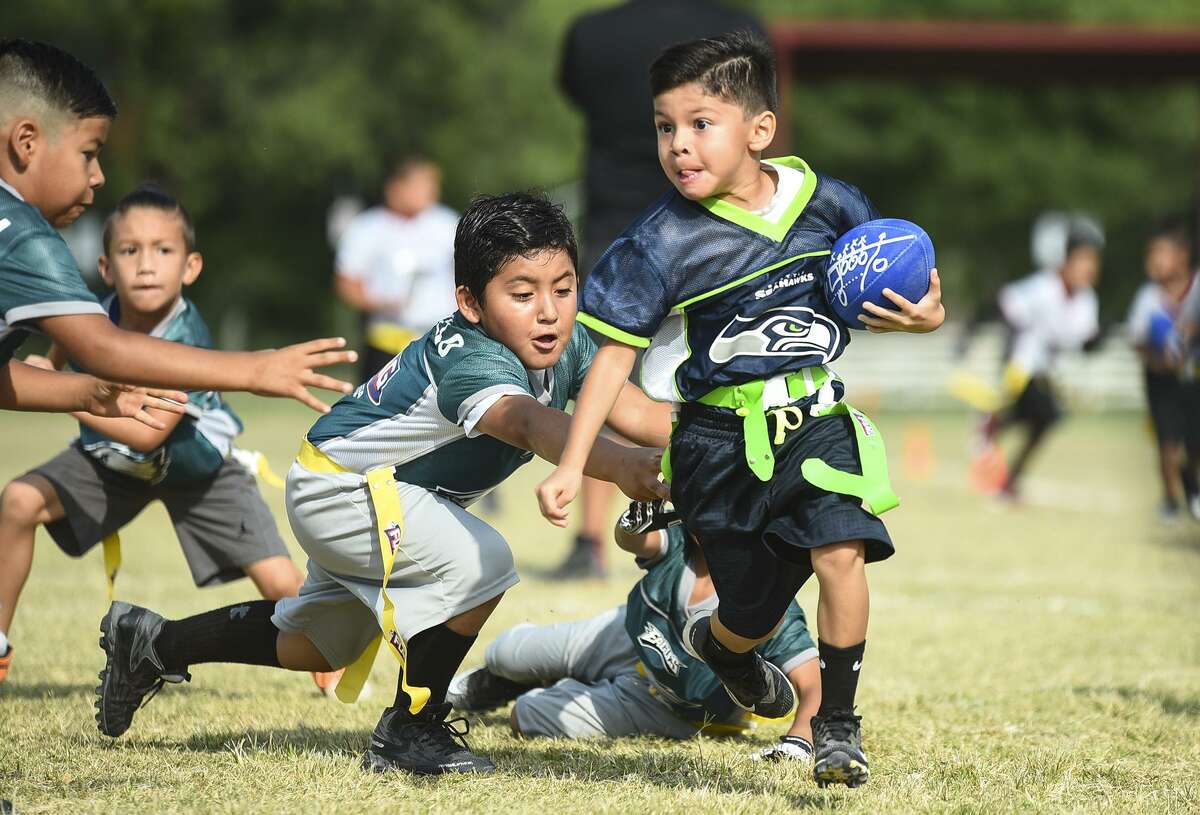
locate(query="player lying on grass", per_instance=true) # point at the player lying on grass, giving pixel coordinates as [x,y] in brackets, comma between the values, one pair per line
[378,496]
[55,116]
[723,282]
[625,672]
[117,467]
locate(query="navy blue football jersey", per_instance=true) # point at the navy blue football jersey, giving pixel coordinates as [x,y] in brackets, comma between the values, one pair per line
[721,296]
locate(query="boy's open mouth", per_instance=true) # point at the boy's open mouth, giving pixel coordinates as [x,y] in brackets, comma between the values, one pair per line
[545,342]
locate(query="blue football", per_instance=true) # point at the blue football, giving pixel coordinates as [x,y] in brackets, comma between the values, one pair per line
[889,253]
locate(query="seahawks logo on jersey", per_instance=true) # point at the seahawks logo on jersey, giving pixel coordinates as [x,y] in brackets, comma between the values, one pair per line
[779,332]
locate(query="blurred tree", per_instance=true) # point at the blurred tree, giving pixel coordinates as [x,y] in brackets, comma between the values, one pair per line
[256,114]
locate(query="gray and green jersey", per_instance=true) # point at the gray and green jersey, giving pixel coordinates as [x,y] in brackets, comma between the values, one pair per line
[203,439]
[419,413]
[38,275]
[655,615]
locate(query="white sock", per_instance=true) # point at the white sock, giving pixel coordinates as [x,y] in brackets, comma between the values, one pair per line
[3,643]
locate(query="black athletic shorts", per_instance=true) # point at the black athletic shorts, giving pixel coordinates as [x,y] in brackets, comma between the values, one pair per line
[1174,408]
[1037,403]
[757,535]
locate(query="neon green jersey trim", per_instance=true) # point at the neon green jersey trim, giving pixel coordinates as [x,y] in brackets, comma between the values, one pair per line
[748,220]
[731,284]
[612,332]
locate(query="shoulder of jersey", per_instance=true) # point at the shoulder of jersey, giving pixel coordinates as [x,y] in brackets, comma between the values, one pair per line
[24,220]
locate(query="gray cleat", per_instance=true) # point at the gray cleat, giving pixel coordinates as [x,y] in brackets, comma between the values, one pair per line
[132,673]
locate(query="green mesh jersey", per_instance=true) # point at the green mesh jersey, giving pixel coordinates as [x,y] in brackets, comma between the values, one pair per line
[200,443]
[38,276]
[418,414]
[655,614]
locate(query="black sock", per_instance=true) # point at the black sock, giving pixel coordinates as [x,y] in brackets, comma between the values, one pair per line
[715,653]
[241,633]
[839,675]
[433,657]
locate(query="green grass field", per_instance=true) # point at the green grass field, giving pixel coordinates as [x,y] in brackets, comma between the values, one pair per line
[1045,658]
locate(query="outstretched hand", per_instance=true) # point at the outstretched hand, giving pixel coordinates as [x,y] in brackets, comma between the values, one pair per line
[112,401]
[289,371]
[920,317]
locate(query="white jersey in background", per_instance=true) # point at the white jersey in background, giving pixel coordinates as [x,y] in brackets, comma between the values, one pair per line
[409,261]
[1047,320]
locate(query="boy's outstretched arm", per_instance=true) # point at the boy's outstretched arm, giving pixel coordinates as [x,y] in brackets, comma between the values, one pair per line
[126,356]
[607,376]
[526,423]
[24,387]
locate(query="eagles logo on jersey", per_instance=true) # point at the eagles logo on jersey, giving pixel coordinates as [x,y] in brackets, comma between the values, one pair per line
[785,331]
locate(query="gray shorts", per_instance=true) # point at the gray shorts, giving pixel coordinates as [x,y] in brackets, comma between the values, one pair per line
[222,524]
[597,691]
[449,562]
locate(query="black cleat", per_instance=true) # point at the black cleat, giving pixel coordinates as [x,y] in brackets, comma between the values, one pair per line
[132,673]
[759,687]
[839,757]
[479,689]
[424,744]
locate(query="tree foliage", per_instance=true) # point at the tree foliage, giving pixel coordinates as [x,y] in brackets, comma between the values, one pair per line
[257,113]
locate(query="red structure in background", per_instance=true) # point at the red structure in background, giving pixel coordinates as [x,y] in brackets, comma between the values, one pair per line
[1008,53]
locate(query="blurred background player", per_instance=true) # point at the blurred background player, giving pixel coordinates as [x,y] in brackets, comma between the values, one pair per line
[605,59]
[1156,329]
[1046,313]
[625,672]
[118,466]
[395,262]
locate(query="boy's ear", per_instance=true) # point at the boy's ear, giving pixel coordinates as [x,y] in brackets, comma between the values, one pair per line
[105,272]
[23,140]
[192,268]
[468,305]
[762,131]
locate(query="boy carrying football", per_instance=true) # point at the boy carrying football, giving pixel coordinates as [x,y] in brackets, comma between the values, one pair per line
[378,496]
[87,493]
[722,282]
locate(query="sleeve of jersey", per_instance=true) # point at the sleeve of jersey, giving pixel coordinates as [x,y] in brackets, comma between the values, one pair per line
[584,351]
[856,208]
[792,645]
[1138,321]
[474,383]
[624,297]
[40,279]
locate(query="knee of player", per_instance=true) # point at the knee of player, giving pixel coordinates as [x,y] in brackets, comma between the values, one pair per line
[22,503]
[837,559]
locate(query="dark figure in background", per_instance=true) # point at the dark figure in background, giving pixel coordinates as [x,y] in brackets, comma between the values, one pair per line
[605,63]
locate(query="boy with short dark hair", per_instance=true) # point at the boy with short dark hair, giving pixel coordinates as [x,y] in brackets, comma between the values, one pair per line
[1172,392]
[117,467]
[55,115]
[627,671]
[378,496]
[723,282]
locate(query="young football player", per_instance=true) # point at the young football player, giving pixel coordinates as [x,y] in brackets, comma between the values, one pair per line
[1171,388]
[118,466]
[1046,313]
[55,116]
[378,496]
[626,672]
[723,282]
